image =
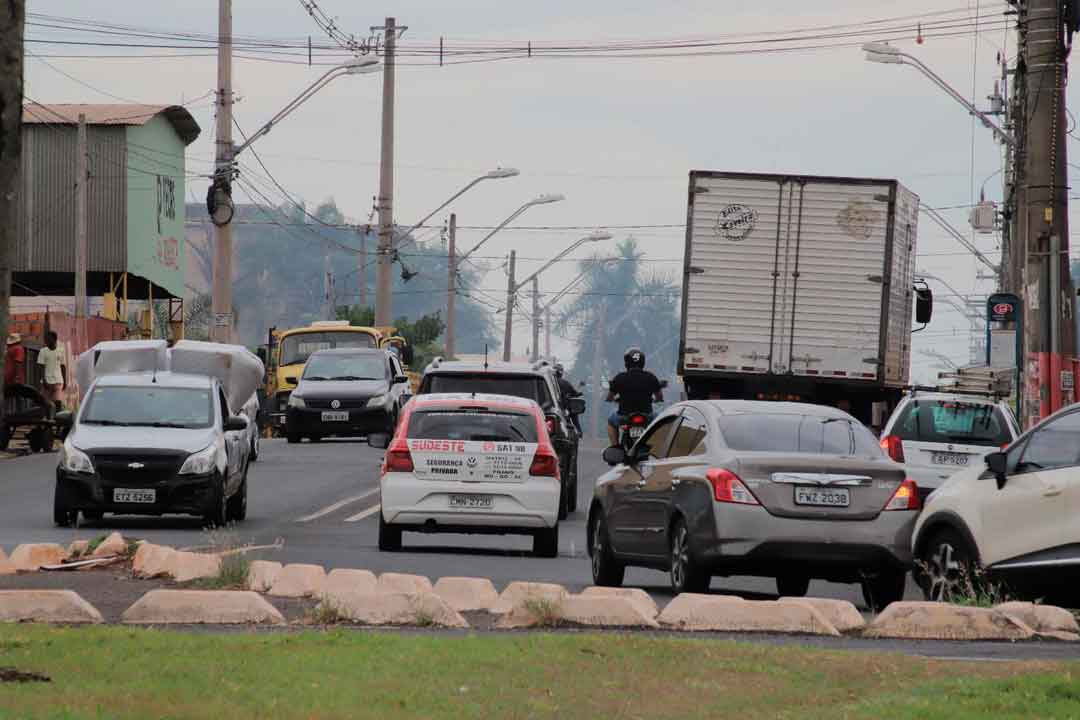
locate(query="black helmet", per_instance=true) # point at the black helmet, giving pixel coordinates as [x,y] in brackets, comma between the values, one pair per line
[559,369]
[634,358]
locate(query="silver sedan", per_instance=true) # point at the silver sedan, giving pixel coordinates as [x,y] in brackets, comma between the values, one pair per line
[729,487]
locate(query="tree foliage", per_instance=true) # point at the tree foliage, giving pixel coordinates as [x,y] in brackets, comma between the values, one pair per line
[422,334]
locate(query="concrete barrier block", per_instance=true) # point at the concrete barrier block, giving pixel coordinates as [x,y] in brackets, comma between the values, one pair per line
[943,621]
[46,606]
[202,607]
[1041,618]
[30,557]
[466,594]
[518,591]
[262,574]
[843,615]
[402,583]
[78,548]
[114,544]
[6,566]
[188,566]
[583,610]
[691,611]
[299,580]
[420,609]
[152,560]
[344,580]
[639,597]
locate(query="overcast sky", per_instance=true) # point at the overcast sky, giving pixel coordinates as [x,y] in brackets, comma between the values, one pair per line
[616,136]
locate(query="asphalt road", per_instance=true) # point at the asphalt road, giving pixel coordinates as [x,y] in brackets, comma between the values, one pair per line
[322,501]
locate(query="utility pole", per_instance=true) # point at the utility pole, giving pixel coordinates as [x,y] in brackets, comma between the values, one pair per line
[12,19]
[547,332]
[510,289]
[221,303]
[536,318]
[328,287]
[363,270]
[385,203]
[597,360]
[81,179]
[1050,340]
[451,288]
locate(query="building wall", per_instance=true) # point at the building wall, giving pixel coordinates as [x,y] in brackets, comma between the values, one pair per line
[155,190]
[45,223]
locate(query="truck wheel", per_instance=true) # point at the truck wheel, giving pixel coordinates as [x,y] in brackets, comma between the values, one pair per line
[546,542]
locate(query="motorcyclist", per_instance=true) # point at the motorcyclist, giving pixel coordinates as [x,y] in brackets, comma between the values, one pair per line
[635,390]
[567,391]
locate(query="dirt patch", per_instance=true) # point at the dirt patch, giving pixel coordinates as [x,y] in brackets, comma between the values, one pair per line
[8,674]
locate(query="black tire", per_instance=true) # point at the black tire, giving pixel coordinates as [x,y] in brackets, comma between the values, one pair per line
[546,542]
[564,500]
[5,436]
[314,438]
[63,515]
[606,570]
[945,564]
[686,576]
[792,585]
[253,456]
[389,536]
[217,510]
[292,438]
[236,506]
[880,590]
[92,516]
[40,439]
[571,501]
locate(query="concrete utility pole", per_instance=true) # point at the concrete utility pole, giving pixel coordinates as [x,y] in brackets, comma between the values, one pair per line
[597,360]
[547,332]
[451,288]
[12,19]
[511,288]
[536,319]
[363,270]
[221,303]
[1050,335]
[385,203]
[81,179]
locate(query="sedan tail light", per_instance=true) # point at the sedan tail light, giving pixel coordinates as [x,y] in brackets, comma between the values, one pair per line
[893,447]
[398,457]
[906,497]
[728,488]
[545,463]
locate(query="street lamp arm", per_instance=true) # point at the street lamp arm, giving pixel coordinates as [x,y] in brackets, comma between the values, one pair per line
[499,227]
[551,262]
[455,196]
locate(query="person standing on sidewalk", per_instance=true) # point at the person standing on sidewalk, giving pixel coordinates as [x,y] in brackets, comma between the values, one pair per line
[15,362]
[54,380]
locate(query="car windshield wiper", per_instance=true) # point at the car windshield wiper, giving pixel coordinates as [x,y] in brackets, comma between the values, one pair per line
[110,423]
[352,377]
[315,377]
[166,425]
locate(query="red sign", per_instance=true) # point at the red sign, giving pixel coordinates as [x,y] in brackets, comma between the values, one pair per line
[1003,309]
[455,446]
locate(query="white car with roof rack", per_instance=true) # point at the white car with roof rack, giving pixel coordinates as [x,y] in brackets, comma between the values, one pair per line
[473,464]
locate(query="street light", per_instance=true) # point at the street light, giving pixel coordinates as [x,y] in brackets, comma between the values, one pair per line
[512,289]
[885,53]
[538,200]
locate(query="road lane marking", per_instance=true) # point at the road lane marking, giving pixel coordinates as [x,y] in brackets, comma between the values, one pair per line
[337,506]
[364,513]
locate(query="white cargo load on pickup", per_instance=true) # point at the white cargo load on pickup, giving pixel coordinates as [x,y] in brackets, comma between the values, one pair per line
[238,370]
[799,276]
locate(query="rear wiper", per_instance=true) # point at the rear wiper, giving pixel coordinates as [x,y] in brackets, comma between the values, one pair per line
[316,377]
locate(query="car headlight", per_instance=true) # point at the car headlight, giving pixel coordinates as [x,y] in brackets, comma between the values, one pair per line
[75,460]
[296,401]
[377,401]
[200,463]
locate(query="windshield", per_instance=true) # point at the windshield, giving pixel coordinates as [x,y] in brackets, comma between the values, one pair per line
[149,406]
[345,367]
[797,434]
[462,425]
[522,386]
[953,422]
[299,347]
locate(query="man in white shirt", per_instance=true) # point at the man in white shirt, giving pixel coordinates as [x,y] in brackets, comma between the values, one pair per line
[54,378]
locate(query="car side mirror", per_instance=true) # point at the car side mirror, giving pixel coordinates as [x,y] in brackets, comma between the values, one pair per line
[292,380]
[924,305]
[576,405]
[998,463]
[379,441]
[614,455]
[236,423]
[398,379]
[65,419]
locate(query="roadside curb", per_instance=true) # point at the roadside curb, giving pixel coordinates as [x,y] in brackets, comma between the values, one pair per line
[46,606]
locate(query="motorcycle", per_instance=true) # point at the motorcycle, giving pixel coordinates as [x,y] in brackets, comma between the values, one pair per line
[632,428]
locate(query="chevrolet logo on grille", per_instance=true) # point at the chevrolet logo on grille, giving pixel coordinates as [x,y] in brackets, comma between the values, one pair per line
[136,466]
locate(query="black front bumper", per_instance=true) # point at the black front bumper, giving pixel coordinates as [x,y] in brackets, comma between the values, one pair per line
[362,421]
[178,494]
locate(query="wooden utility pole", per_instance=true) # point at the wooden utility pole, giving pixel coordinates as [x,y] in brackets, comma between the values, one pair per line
[12,19]
[1050,336]
[82,177]
[451,289]
[221,330]
[384,296]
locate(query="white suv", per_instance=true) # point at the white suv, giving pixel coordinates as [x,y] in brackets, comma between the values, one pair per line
[937,434]
[1016,518]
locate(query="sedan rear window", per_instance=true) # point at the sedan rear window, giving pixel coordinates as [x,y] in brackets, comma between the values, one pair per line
[460,425]
[796,434]
[953,422]
[523,386]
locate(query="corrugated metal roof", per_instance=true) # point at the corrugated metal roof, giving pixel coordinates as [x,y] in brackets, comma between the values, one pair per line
[114,114]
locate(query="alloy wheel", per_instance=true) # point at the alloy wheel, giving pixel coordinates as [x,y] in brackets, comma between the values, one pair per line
[945,571]
[680,559]
[597,549]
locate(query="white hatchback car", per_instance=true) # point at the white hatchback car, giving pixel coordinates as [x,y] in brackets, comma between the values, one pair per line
[1015,518]
[470,463]
[937,434]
